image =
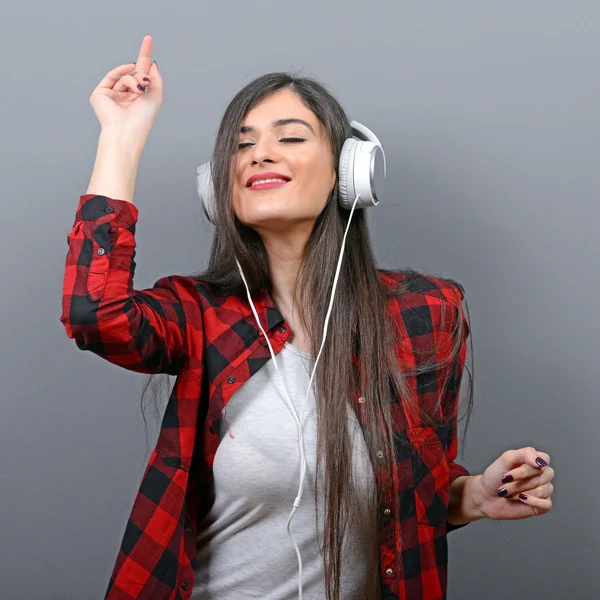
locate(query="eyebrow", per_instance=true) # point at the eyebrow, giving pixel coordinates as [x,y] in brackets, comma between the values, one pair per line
[279,123]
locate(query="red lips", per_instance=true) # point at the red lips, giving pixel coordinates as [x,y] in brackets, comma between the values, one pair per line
[269,175]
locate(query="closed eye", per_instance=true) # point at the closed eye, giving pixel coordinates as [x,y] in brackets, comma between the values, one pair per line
[286,140]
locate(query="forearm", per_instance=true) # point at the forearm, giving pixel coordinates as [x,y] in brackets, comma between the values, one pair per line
[116,166]
[464,504]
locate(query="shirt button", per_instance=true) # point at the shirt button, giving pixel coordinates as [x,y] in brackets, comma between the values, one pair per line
[101,251]
[361,400]
[379,454]
[387,512]
[230,379]
[282,329]
[389,571]
[184,586]
[109,209]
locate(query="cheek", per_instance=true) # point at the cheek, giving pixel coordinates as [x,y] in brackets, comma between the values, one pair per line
[236,168]
[317,175]
[237,186]
[310,169]
[235,199]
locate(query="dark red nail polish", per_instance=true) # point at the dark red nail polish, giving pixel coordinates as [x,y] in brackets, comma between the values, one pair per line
[140,88]
[523,496]
[146,79]
[507,478]
[502,492]
[540,461]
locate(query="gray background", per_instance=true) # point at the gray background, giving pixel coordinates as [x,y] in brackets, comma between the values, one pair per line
[488,112]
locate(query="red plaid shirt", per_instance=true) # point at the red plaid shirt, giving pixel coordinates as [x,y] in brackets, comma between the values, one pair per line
[212,344]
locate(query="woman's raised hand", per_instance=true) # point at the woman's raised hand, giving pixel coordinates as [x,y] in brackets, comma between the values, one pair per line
[120,100]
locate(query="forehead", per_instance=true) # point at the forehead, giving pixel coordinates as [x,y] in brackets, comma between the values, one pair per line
[283,104]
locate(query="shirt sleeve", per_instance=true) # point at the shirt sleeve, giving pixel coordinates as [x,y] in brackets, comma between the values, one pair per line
[139,330]
[451,401]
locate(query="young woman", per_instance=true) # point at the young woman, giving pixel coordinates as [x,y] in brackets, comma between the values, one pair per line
[212,514]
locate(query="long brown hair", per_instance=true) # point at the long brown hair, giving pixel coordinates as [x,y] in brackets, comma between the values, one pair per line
[361,304]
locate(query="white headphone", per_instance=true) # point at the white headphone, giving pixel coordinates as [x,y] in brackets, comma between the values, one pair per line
[361,178]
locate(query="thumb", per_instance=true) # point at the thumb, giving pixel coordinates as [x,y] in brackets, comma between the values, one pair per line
[526,455]
[156,86]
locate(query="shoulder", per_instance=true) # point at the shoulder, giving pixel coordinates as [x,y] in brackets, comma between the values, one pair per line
[195,293]
[410,286]
[181,284]
[421,304]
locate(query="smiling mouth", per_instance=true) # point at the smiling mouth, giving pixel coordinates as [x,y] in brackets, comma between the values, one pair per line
[267,185]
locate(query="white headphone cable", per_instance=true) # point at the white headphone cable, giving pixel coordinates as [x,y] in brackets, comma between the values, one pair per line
[301,438]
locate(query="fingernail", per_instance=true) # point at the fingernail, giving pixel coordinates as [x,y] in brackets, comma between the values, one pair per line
[146,79]
[541,462]
[507,478]
[502,492]
[523,496]
[140,88]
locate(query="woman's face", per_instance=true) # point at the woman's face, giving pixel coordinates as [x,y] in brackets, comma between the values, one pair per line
[305,161]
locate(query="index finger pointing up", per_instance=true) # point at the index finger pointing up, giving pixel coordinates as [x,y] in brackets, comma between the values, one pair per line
[144,60]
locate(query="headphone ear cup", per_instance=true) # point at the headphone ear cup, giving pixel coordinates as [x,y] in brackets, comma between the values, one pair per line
[206,191]
[346,173]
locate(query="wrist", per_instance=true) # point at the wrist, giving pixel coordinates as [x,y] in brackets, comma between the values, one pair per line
[477,498]
[116,166]
[128,144]
[465,501]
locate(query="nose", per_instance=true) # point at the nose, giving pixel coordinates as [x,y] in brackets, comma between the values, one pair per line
[263,151]
[260,158]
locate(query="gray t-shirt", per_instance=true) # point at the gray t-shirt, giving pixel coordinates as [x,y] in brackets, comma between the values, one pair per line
[244,549]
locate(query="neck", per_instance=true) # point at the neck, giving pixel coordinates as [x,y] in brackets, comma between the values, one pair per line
[284,261]
[284,256]
[283,273]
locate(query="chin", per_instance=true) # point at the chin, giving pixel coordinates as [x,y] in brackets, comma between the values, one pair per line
[262,211]
[270,218]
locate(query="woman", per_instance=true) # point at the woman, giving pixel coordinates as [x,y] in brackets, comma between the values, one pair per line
[380,426]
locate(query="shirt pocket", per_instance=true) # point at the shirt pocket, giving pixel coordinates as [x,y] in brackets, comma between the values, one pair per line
[431,472]
[97,273]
